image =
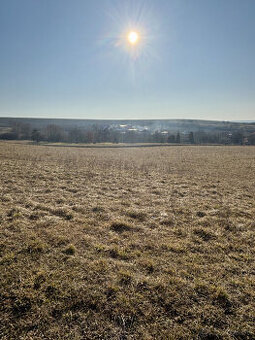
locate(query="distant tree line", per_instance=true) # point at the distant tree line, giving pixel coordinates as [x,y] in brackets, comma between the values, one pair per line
[107,134]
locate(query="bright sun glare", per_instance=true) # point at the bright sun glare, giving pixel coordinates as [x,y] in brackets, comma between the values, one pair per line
[133,37]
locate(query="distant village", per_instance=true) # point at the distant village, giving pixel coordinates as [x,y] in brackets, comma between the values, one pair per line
[163,132]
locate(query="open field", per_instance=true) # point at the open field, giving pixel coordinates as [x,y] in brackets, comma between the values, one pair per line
[91,145]
[142,243]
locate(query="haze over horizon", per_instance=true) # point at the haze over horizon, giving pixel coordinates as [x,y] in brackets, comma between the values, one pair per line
[192,59]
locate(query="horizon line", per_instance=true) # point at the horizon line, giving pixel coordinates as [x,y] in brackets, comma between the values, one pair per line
[131,119]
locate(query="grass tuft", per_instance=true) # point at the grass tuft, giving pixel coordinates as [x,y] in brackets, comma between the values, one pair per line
[121,226]
[125,277]
[137,215]
[69,250]
[35,247]
[204,234]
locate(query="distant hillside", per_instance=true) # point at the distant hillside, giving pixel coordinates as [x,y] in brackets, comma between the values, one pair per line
[152,124]
[127,131]
[244,121]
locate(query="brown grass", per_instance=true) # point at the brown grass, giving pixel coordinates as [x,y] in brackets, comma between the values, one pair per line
[152,243]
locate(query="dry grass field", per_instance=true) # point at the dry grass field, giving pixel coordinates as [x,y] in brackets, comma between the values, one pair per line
[142,243]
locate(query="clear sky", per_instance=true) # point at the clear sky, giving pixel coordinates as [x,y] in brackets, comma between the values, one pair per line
[71,59]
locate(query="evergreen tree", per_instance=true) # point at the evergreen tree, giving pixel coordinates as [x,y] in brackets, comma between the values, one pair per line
[191,138]
[36,136]
[178,138]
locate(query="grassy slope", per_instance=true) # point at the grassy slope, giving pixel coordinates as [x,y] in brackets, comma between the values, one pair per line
[127,243]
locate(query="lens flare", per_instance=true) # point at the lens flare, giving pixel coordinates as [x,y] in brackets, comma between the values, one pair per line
[133,32]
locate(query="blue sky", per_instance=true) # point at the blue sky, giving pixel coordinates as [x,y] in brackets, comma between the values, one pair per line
[70,59]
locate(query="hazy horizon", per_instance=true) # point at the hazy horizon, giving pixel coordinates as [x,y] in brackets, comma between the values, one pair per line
[130,119]
[71,60]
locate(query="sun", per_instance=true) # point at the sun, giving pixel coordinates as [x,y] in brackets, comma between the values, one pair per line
[133,37]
